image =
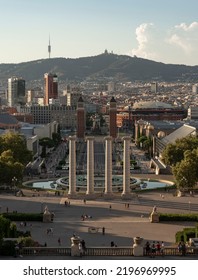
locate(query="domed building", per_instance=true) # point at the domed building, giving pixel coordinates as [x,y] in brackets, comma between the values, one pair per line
[152,105]
[161,134]
[151,111]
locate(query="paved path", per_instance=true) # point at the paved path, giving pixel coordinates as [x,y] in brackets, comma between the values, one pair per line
[121,223]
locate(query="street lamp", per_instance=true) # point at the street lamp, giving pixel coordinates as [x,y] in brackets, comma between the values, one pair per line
[189,206]
[41,206]
[14,180]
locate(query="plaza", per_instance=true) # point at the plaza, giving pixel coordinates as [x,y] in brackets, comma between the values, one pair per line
[114,218]
[121,223]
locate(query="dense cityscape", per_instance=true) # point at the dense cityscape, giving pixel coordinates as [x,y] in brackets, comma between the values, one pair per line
[83,150]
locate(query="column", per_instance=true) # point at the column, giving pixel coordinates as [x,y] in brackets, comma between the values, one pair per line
[154,146]
[126,194]
[90,165]
[72,165]
[108,167]
[136,132]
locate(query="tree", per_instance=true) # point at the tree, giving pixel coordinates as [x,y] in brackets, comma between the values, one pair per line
[10,168]
[141,140]
[183,159]
[17,144]
[47,142]
[4,228]
[174,153]
[186,171]
[14,156]
[185,174]
[56,138]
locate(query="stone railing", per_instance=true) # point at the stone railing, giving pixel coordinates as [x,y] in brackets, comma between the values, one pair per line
[99,251]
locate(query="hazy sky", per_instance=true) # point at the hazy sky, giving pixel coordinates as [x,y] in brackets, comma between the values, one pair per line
[161,30]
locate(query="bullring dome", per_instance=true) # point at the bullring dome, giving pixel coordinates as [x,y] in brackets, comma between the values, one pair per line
[151,105]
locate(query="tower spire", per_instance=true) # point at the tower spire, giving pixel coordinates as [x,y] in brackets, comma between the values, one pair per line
[49,47]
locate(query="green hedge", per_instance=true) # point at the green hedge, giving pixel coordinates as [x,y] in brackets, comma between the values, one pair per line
[178,217]
[185,235]
[7,248]
[33,217]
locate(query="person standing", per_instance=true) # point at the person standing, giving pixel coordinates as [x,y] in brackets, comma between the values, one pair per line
[80,249]
[84,249]
[158,248]
[183,248]
[59,241]
[153,250]
[147,248]
[162,248]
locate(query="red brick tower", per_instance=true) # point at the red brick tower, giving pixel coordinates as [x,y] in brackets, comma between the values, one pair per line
[50,87]
[112,118]
[80,118]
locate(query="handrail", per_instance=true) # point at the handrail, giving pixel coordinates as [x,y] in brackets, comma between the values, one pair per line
[100,251]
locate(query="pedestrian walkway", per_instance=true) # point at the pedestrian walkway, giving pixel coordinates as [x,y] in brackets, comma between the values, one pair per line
[121,224]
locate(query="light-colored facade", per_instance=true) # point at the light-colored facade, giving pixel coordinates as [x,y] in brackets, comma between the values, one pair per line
[73,97]
[64,115]
[16,91]
[46,130]
[33,144]
[193,112]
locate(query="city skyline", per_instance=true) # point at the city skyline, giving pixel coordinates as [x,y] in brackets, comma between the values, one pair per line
[149,29]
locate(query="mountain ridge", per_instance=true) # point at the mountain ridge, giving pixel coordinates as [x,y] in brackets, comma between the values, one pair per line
[102,66]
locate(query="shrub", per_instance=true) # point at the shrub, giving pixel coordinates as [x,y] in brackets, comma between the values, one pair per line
[7,248]
[24,216]
[185,235]
[27,241]
[178,217]
[13,230]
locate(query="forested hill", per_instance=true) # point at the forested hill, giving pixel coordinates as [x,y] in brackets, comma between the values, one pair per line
[104,65]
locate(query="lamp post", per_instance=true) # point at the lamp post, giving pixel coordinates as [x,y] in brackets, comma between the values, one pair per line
[14,180]
[41,206]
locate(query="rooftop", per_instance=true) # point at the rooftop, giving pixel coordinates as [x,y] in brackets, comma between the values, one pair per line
[181,132]
[151,104]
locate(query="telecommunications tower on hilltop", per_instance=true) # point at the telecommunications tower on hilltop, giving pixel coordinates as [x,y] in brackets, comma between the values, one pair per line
[49,48]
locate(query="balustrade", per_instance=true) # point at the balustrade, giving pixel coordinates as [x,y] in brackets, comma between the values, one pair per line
[99,251]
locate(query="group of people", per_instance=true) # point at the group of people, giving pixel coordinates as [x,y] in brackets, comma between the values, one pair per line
[156,248]
[83,217]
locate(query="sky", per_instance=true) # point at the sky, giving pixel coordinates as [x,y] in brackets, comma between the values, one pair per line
[161,30]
